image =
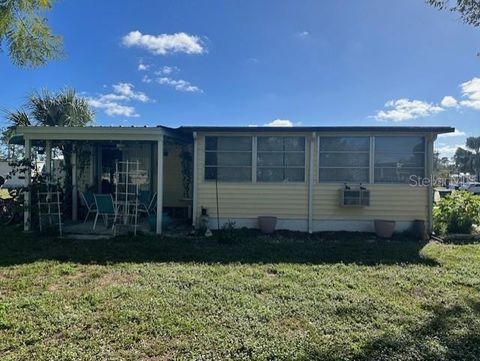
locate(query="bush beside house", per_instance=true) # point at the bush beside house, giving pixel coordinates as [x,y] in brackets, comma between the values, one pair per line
[457,213]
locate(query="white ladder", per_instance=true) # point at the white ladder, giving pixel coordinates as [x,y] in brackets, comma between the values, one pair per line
[127,174]
[49,207]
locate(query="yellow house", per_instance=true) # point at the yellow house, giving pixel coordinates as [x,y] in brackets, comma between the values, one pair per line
[310,178]
[300,175]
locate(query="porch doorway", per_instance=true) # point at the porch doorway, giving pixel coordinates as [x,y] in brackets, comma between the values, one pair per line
[109,157]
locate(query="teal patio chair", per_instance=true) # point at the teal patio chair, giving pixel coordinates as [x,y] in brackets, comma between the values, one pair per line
[89,201]
[147,204]
[105,208]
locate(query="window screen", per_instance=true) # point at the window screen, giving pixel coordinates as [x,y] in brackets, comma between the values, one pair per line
[228,159]
[280,159]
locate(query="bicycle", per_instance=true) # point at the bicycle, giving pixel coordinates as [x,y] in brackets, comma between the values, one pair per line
[10,208]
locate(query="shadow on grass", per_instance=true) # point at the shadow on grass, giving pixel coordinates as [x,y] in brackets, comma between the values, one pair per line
[451,333]
[286,247]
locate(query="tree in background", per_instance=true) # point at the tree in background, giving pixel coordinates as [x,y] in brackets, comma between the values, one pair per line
[473,144]
[26,33]
[442,167]
[462,159]
[468,160]
[63,109]
[469,10]
[19,117]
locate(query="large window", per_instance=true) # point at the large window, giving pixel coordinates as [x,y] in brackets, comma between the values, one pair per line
[344,159]
[280,159]
[398,158]
[228,159]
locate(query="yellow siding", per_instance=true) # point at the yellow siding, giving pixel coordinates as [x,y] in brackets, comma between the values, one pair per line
[396,202]
[290,201]
[250,200]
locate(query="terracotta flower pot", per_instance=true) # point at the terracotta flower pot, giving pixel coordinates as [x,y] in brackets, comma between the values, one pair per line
[267,224]
[384,228]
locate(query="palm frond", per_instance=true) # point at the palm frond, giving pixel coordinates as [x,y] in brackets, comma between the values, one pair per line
[63,109]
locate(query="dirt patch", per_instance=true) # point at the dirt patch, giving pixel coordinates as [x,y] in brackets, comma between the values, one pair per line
[67,281]
[116,279]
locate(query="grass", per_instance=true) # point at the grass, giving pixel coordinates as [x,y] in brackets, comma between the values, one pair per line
[285,297]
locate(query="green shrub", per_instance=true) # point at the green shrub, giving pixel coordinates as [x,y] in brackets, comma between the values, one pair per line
[456,213]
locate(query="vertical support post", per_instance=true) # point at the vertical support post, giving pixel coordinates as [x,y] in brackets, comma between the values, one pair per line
[74,186]
[429,171]
[311,180]
[91,179]
[48,160]
[27,198]
[254,159]
[99,168]
[195,180]
[371,165]
[159,184]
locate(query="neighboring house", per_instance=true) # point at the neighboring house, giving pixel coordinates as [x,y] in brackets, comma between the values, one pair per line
[297,174]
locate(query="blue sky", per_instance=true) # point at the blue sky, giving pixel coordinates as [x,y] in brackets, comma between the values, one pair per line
[231,62]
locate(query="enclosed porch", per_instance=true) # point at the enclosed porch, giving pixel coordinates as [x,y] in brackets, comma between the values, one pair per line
[120,177]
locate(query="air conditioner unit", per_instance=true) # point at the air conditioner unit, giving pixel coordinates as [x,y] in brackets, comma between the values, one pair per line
[354,197]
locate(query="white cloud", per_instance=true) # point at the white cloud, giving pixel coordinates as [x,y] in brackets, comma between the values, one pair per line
[303,34]
[142,66]
[126,90]
[112,108]
[405,109]
[279,123]
[111,103]
[471,91]
[164,43]
[180,85]
[146,79]
[456,133]
[166,70]
[447,150]
[449,102]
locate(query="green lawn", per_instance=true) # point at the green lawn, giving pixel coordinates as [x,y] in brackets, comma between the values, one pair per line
[325,297]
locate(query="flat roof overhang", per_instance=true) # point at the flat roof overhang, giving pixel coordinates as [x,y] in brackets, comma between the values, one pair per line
[92,133]
[324,129]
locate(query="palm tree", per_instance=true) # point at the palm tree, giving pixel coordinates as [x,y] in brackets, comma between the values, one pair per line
[462,159]
[19,117]
[473,143]
[63,109]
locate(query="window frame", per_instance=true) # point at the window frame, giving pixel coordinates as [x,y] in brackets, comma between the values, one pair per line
[304,167]
[317,168]
[369,152]
[425,156]
[205,151]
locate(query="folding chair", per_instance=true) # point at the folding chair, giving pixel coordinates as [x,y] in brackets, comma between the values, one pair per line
[105,208]
[89,201]
[145,203]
